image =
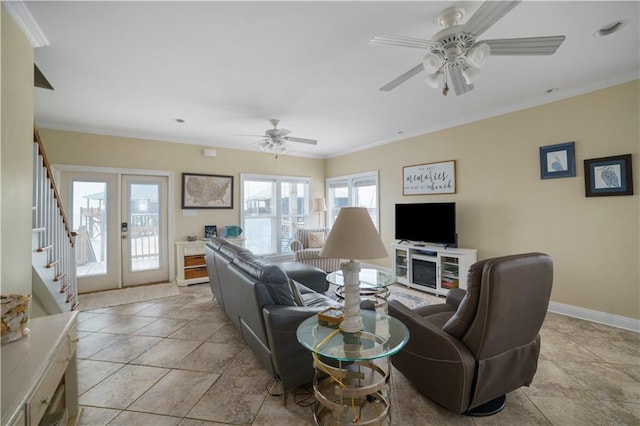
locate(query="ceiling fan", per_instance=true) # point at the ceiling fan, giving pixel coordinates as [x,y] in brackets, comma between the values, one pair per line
[455,56]
[274,140]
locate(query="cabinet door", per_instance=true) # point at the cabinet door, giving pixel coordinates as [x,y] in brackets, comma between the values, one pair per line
[449,271]
[401,264]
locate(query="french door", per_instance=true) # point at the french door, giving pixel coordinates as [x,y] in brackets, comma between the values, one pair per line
[121,228]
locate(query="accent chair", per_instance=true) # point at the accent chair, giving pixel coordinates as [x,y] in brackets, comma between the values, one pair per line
[306,247]
[469,352]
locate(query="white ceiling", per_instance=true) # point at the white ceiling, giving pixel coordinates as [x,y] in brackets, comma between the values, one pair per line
[133,68]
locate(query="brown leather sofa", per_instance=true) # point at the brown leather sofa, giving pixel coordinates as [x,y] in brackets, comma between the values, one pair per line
[469,352]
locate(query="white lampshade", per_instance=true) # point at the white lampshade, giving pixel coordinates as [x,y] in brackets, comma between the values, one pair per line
[353,236]
[433,80]
[470,73]
[318,205]
[478,55]
[432,62]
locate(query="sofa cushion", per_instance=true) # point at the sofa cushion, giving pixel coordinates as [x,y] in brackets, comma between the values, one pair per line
[459,323]
[274,279]
[316,240]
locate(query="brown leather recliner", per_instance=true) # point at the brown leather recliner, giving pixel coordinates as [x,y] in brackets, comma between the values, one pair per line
[467,353]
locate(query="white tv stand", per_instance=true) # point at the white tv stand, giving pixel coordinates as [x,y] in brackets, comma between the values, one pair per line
[430,268]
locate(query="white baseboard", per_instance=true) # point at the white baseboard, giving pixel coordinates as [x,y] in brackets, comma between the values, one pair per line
[612,320]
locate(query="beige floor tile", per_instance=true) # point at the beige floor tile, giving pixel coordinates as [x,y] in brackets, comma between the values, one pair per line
[550,380]
[605,381]
[233,400]
[227,333]
[246,364]
[196,422]
[95,416]
[613,351]
[577,412]
[161,327]
[196,330]
[168,353]
[90,373]
[518,411]
[289,415]
[123,387]
[629,412]
[95,342]
[176,393]
[97,322]
[557,346]
[409,408]
[166,310]
[130,418]
[211,357]
[128,309]
[127,325]
[127,349]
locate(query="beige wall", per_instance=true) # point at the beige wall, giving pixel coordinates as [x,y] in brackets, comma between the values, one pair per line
[16,158]
[504,207]
[125,153]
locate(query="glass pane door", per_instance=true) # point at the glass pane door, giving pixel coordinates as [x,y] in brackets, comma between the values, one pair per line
[260,216]
[144,240]
[294,201]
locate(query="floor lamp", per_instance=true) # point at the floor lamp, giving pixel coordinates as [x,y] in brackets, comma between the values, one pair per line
[353,236]
[318,206]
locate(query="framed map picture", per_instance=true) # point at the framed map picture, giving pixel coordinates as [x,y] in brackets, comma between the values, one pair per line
[200,191]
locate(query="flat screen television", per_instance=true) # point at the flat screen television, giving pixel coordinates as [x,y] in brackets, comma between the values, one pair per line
[433,223]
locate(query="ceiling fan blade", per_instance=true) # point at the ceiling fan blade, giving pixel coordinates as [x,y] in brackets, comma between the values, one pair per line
[397,40]
[301,140]
[404,77]
[282,132]
[458,82]
[489,13]
[525,46]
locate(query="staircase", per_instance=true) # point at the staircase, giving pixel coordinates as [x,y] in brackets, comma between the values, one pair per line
[55,283]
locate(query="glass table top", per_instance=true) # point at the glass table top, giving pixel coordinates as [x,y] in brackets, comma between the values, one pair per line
[369,277]
[382,336]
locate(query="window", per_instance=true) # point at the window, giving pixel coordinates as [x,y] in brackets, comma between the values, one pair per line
[273,208]
[359,190]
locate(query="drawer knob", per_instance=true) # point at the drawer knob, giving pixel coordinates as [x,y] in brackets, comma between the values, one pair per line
[44,401]
[75,340]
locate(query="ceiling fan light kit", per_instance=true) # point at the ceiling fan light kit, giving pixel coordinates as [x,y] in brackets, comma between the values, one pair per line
[274,140]
[455,56]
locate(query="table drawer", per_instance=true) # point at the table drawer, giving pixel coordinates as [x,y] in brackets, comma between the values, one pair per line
[197,260]
[194,250]
[47,387]
[195,273]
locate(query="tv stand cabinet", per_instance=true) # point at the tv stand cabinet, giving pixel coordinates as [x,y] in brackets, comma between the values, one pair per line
[434,269]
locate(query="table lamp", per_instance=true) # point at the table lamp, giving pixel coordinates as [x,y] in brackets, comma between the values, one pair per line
[353,236]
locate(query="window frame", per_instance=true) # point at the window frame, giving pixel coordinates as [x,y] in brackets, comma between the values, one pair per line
[278,180]
[350,183]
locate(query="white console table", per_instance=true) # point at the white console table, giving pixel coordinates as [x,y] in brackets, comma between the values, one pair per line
[40,373]
[434,269]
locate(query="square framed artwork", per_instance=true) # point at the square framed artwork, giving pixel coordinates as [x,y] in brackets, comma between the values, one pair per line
[200,191]
[608,176]
[558,161]
[210,231]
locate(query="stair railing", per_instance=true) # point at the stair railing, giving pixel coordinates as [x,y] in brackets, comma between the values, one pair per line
[55,236]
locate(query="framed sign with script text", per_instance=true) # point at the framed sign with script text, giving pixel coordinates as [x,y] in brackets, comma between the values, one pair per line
[431,178]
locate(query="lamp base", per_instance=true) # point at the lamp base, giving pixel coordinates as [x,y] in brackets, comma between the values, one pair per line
[352,318]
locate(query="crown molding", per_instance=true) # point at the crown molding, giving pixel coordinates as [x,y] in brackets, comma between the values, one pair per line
[22,16]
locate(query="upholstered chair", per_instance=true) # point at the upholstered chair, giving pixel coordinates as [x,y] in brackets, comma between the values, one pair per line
[306,248]
[469,352]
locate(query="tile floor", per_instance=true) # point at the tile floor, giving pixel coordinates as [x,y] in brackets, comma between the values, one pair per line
[178,361]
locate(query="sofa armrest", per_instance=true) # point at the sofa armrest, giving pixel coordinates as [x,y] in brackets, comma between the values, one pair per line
[292,362]
[296,245]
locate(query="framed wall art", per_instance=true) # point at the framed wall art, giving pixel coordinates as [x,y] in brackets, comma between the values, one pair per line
[431,178]
[608,176]
[200,191]
[558,161]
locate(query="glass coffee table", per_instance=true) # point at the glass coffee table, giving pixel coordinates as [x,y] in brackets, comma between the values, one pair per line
[351,383]
[374,285]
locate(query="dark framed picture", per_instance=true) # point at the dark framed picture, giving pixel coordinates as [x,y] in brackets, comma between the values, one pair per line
[608,176]
[210,231]
[558,161]
[200,191]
